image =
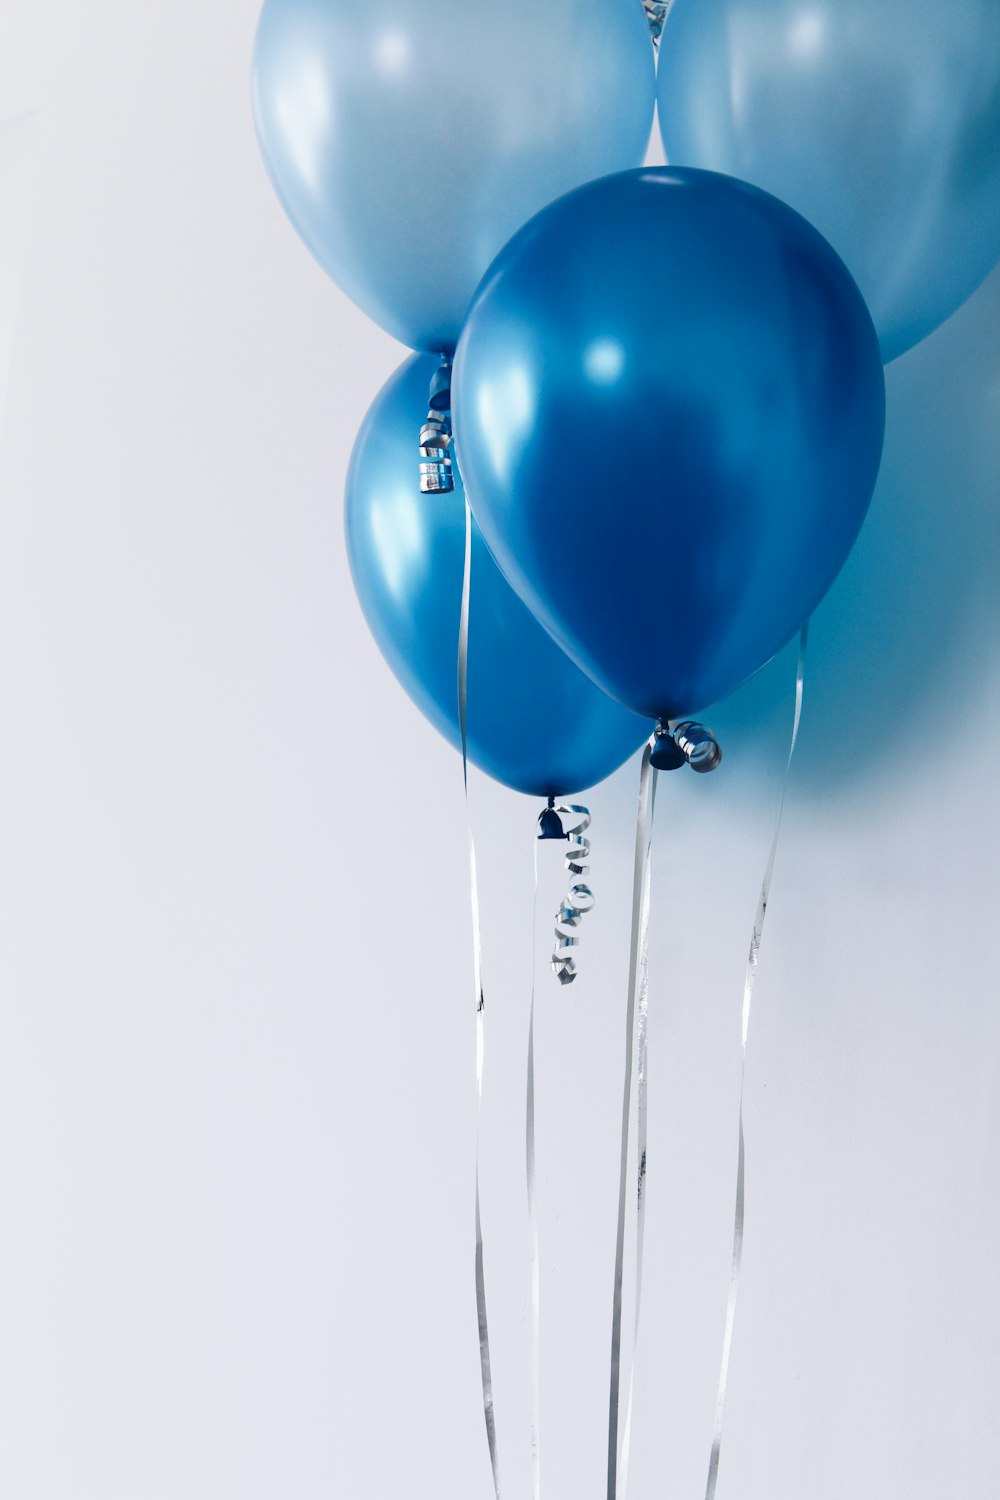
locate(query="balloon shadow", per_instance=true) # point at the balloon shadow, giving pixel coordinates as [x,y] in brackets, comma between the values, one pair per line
[905,632]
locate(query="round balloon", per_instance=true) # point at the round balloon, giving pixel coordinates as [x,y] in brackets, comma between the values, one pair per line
[535,722]
[879,120]
[668,404]
[408,142]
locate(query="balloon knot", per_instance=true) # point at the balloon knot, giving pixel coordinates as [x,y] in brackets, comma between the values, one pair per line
[549,823]
[684,743]
[656,14]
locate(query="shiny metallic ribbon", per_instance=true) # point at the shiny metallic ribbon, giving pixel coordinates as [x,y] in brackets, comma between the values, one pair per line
[463,682]
[529,1162]
[702,752]
[748,983]
[697,744]
[656,15]
[437,476]
[579,899]
[637,999]
[642,1007]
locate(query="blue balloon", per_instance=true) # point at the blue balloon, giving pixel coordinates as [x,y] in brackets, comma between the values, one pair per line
[408,141]
[668,405]
[535,722]
[879,120]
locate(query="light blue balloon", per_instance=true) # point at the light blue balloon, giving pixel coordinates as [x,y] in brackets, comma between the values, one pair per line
[879,120]
[670,470]
[408,141]
[535,722]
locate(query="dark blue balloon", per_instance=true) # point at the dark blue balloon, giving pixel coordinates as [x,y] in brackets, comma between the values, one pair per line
[535,722]
[668,404]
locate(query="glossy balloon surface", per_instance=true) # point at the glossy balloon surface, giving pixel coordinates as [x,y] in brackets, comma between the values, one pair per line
[879,120]
[535,722]
[407,141]
[671,468]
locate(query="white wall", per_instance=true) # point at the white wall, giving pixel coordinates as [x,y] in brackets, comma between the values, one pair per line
[236,1068]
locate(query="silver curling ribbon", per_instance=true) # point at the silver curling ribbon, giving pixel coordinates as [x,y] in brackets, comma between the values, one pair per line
[656,15]
[697,744]
[736,1265]
[579,899]
[530,1180]
[682,742]
[640,936]
[437,475]
[637,1000]
[483,1322]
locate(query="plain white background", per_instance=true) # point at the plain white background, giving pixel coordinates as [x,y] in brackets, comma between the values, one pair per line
[237,1055]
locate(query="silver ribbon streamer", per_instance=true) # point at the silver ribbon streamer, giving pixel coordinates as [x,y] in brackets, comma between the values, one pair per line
[437,475]
[697,744]
[642,1006]
[748,983]
[702,752]
[656,15]
[529,1161]
[463,681]
[579,899]
[637,996]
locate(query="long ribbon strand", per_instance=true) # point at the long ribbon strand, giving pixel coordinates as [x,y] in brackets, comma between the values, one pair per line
[636,996]
[463,683]
[748,984]
[642,1005]
[529,1161]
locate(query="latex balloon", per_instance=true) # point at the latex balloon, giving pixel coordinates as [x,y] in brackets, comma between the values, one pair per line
[670,468]
[535,722]
[408,142]
[879,120]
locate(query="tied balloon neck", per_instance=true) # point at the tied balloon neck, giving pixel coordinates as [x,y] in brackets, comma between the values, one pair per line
[550,823]
[437,474]
[569,822]
[656,15]
[682,742]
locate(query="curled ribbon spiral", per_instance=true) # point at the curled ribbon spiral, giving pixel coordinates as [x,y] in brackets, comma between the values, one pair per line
[579,899]
[656,14]
[437,475]
[697,744]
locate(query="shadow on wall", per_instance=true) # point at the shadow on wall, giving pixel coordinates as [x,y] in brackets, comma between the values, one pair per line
[908,630]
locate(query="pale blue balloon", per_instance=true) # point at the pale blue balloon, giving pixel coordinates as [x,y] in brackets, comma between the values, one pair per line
[879,120]
[408,141]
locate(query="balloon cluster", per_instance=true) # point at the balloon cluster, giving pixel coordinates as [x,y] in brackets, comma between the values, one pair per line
[660,390]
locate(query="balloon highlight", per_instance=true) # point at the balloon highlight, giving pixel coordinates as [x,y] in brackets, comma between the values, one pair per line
[670,475]
[407,143]
[535,722]
[879,120]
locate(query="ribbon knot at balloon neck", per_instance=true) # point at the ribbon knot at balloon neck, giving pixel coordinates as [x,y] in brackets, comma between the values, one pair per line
[684,743]
[550,823]
[569,821]
[656,15]
[437,476]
